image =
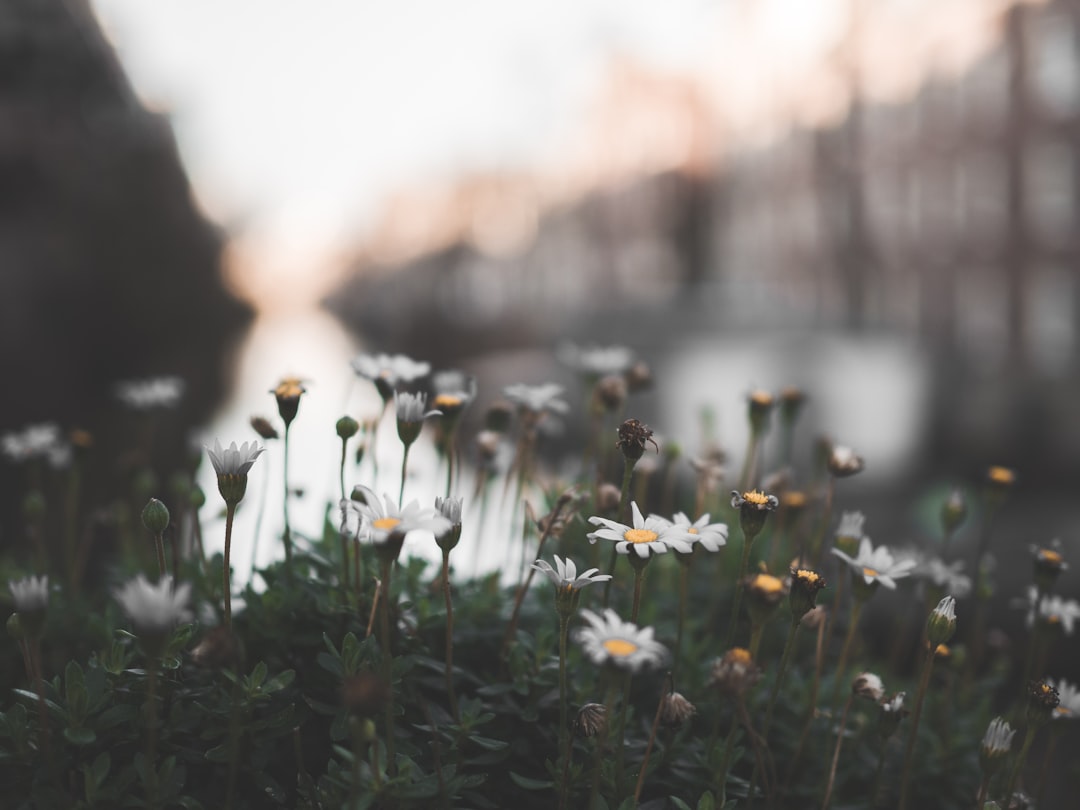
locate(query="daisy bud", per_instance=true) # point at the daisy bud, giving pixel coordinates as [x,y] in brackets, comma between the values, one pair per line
[996,743]
[843,462]
[31,597]
[760,406]
[287,394]
[639,377]
[754,507]
[764,593]
[999,481]
[735,672]
[942,622]
[675,709]
[346,427]
[633,436]
[590,720]
[1042,699]
[953,512]
[805,585]
[868,685]
[411,416]
[449,508]
[264,428]
[155,516]
[1048,564]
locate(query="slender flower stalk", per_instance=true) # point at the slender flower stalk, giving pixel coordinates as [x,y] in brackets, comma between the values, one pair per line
[287,393]
[346,427]
[410,421]
[996,744]
[869,686]
[805,586]
[155,517]
[760,406]
[449,508]
[753,508]
[940,627]
[231,465]
[1042,700]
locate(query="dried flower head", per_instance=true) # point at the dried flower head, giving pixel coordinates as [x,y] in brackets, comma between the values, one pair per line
[590,720]
[675,709]
[607,498]
[1042,699]
[844,462]
[288,393]
[263,427]
[805,586]
[639,377]
[609,394]
[868,685]
[633,436]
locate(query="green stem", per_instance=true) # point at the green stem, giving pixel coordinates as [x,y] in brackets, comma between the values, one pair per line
[841,664]
[449,634]
[601,743]
[639,578]
[684,582]
[836,753]
[620,740]
[757,629]
[924,683]
[226,586]
[404,472]
[725,762]
[287,536]
[652,741]
[1014,774]
[811,713]
[748,461]
[611,571]
[388,663]
[785,659]
[159,544]
[748,541]
[151,733]
[564,723]
[879,772]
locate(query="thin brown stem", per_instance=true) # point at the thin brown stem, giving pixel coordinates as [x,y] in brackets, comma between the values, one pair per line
[226,584]
[449,634]
[836,752]
[924,683]
[652,741]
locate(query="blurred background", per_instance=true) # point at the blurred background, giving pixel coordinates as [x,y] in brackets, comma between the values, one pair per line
[877,201]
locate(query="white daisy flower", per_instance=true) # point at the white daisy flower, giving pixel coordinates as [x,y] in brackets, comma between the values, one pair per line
[876,564]
[623,645]
[33,441]
[31,594]
[851,525]
[895,704]
[410,408]
[1052,609]
[537,398]
[868,685]
[947,576]
[652,534]
[1069,696]
[381,519]
[154,392]
[710,536]
[565,576]
[233,460]
[596,361]
[453,390]
[154,609]
[389,368]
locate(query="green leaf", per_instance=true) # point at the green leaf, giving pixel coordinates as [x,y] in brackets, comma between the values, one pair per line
[331,664]
[219,753]
[488,743]
[100,768]
[279,681]
[532,784]
[628,804]
[679,803]
[80,736]
[706,802]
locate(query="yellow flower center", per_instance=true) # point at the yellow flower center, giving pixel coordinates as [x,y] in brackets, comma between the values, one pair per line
[386,523]
[620,647]
[942,651]
[1053,618]
[763,398]
[756,498]
[795,500]
[639,536]
[738,655]
[1062,711]
[768,584]
[447,401]
[289,388]
[870,572]
[1049,556]
[692,530]
[810,577]
[1001,475]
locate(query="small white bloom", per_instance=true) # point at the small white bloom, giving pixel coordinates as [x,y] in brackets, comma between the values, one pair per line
[998,738]
[537,398]
[1068,707]
[710,536]
[381,519]
[947,576]
[154,609]
[390,368]
[233,460]
[31,594]
[624,645]
[453,389]
[565,575]
[851,525]
[652,534]
[1055,610]
[449,508]
[155,392]
[596,361]
[876,564]
[410,407]
[33,441]
[894,704]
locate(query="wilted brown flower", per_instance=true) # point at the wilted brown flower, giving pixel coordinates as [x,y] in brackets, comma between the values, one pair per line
[735,672]
[590,720]
[675,709]
[633,436]
[263,427]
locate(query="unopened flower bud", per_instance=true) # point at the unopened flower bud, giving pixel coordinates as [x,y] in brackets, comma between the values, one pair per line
[264,428]
[942,622]
[868,685]
[675,709]
[155,516]
[590,720]
[347,427]
[760,406]
[287,394]
[639,377]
